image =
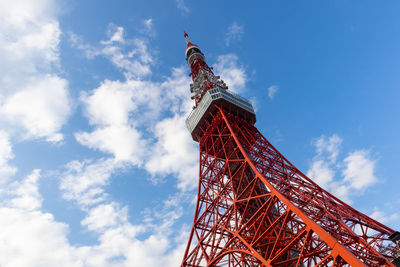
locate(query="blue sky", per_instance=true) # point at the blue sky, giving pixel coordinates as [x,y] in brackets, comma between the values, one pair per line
[96,165]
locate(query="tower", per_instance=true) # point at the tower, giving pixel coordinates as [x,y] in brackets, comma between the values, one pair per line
[254,208]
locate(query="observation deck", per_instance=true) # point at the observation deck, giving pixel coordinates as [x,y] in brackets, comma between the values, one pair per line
[228,101]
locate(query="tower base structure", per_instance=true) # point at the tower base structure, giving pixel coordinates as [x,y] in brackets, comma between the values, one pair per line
[255,208]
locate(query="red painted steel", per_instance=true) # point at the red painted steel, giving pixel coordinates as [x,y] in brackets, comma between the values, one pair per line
[255,208]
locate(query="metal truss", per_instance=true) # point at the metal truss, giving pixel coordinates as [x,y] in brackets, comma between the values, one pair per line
[254,208]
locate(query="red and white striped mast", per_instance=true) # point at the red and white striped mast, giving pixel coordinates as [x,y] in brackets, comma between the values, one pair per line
[202,75]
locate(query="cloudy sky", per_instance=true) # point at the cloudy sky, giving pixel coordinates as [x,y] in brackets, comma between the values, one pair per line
[96,165]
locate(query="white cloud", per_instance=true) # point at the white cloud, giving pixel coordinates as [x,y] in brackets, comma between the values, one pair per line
[131,56]
[77,42]
[84,182]
[124,142]
[272,90]
[182,6]
[235,32]
[175,92]
[328,147]
[115,109]
[6,154]
[118,242]
[32,97]
[174,152]
[357,169]
[41,107]
[322,173]
[381,217]
[234,75]
[322,169]
[26,193]
[33,238]
[105,216]
[148,27]
[115,34]
[29,37]
[137,67]
[120,103]
[148,23]
[358,173]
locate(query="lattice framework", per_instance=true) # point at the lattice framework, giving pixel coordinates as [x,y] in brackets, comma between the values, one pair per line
[255,208]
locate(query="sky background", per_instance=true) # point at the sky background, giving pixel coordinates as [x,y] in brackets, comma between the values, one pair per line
[96,165]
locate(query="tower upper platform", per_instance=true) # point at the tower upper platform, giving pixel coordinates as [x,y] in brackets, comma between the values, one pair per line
[218,97]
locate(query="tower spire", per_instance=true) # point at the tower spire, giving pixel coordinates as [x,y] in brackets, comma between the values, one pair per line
[186,37]
[202,75]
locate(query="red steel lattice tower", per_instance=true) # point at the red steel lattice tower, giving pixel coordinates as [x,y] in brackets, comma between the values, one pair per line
[254,208]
